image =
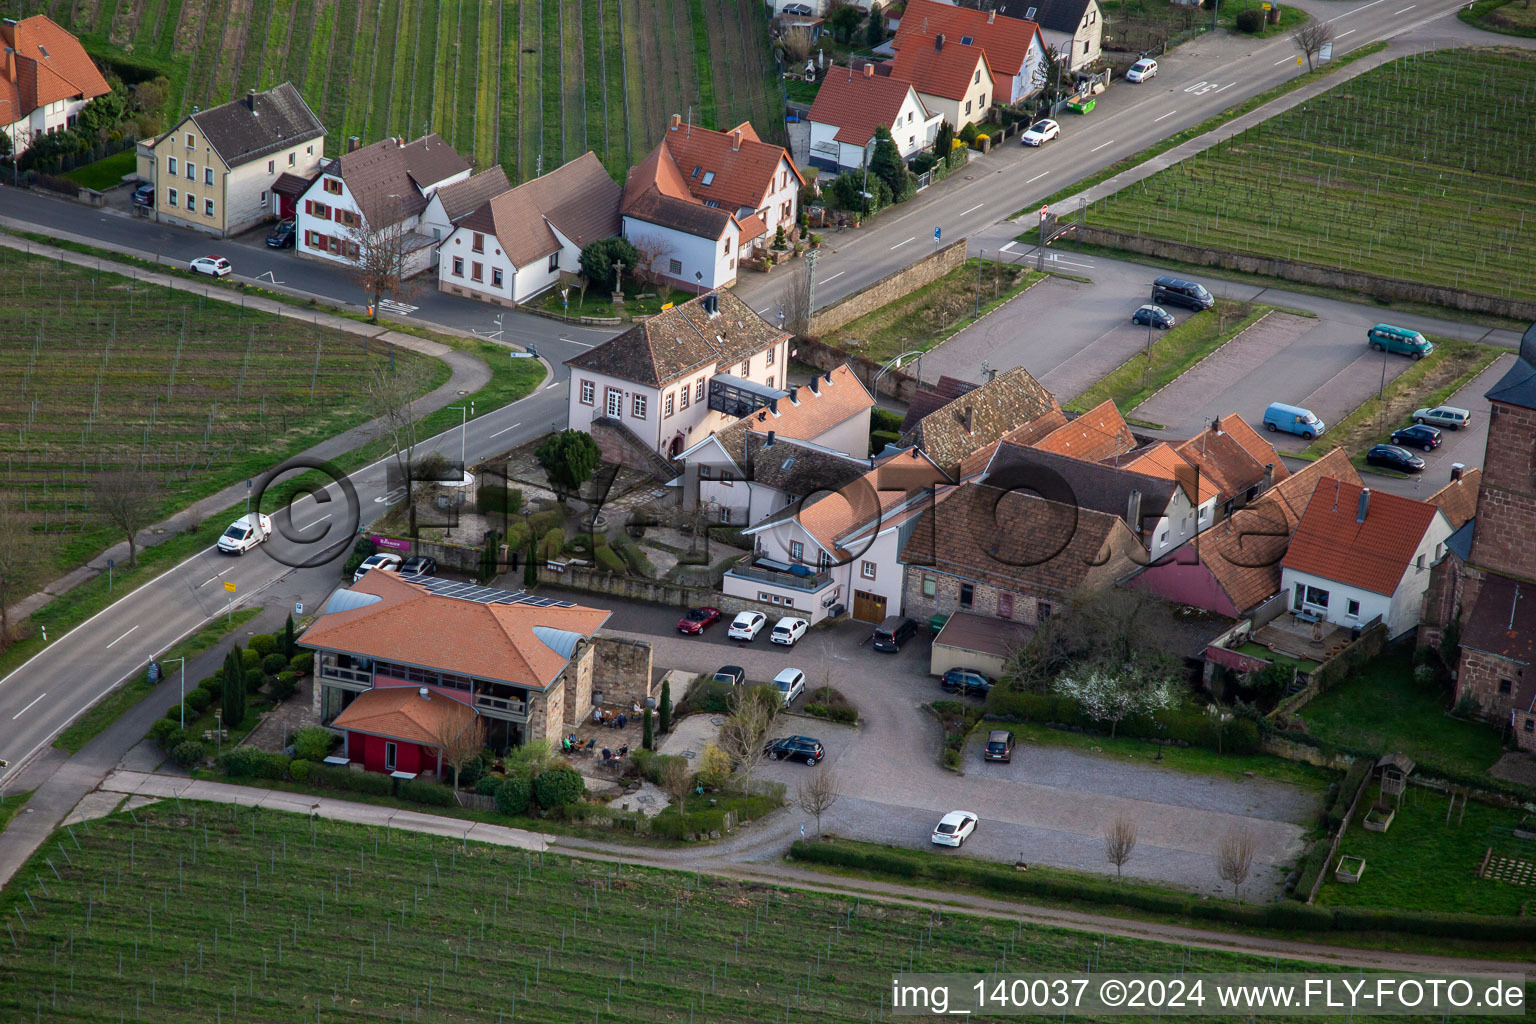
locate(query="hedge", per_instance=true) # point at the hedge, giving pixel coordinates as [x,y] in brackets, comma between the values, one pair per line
[312,743]
[335,777]
[299,769]
[558,786]
[551,543]
[302,663]
[609,559]
[199,699]
[263,644]
[242,763]
[213,686]
[1232,736]
[272,664]
[423,792]
[495,499]
[672,825]
[842,713]
[512,795]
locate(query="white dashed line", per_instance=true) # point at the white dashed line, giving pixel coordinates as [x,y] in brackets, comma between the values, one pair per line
[840,273]
[1169,114]
[119,638]
[898,245]
[1101,145]
[1405,10]
[1341,35]
[28,707]
[210,579]
[1037,177]
[503,430]
[972,209]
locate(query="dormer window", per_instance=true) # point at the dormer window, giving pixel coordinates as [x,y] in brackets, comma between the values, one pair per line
[1029,15]
[712,202]
[696,170]
[966,40]
[709,179]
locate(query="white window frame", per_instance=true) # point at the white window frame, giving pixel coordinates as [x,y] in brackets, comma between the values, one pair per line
[613,403]
[637,407]
[588,394]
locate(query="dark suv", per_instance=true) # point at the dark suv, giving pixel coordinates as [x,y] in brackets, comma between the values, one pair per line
[282,236]
[967,681]
[144,195]
[796,748]
[892,633]
[1175,291]
[999,746]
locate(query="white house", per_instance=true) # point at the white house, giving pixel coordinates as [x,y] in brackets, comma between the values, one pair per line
[954,81]
[702,199]
[517,244]
[849,107]
[652,382]
[452,203]
[45,78]
[1014,47]
[385,186]
[1073,28]
[1358,554]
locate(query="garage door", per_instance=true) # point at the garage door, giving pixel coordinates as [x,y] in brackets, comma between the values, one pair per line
[868,607]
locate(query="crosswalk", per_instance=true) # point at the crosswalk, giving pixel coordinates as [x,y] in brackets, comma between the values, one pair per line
[404,309]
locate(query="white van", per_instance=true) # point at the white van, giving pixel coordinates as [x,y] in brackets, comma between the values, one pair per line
[245,533]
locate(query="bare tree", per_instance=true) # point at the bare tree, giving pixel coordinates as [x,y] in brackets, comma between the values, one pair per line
[817,793]
[389,394]
[20,561]
[1234,858]
[745,733]
[380,253]
[1119,841]
[1309,39]
[655,251]
[676,780]
[127,499]
[796,43]
[457,745]
[797,300]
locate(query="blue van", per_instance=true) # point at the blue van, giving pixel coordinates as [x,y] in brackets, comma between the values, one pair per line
[1293,420]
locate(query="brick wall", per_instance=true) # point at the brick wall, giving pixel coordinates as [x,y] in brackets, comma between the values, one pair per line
[945,599]
[546,714]
[895,384]
[621,671]
[1506,501]
[1480,674]
[889,288]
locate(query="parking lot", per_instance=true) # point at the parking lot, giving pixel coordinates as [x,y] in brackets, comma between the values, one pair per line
[1049,806]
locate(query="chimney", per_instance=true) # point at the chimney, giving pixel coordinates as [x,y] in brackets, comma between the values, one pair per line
[1456,470]
[353,143]
[250,99]
[770,440]
[966,420]
[938,41]
[1216,426]
[1269,477]
[816,384]
[1365,504]
[426,694]
[773,406]
[736,141]
[1133,511]
[869,70]
[792,393]
[675,123]
[829,376]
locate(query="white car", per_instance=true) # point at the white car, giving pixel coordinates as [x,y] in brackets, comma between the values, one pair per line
[1043,130]
[383,561]
[1141,70]
[790,683]
[213,266]
[245,533]
[746,625]
[787,630]
[954,828]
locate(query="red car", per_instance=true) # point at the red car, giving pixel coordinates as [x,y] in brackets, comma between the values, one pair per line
[697,618]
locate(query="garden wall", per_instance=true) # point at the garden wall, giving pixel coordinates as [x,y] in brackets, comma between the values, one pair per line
[818,354]
[1312,273]
[637,588]
[886,290]
[621,670]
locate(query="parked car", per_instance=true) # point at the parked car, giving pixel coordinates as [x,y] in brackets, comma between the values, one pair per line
[1043,130]
[798,10]
[1292,419]
[383,561]
[999,746]
[1386,338]
[245,533]
[747,625]
[697,620]
[1157,316]
[1393,457]
[282,235]
[419,565]
[790,684]
[1443,416]
[954,828]
[892,633]
[731,675]
[1141,70]
[213,266]
[787,630]
[1418,435]
[966,681]
[1178,292]
[144,195]
[796,748]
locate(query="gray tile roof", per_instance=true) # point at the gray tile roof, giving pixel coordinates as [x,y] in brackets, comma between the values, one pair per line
[387,178]
[1088,485]
[799,469]
[253,127]
[978,418]
[1056,15]
[1518,386]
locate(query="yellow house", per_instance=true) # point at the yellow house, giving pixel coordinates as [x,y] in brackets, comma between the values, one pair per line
[952,79]
[222,170]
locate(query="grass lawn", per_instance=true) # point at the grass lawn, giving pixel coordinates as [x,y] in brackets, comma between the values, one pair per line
[936,311]
[106,172]
[1260,651]
[597,302]
[1511,17]
[1342,197]
[1172,352]
[1381,708]
[10,806]
[648,944]
[1198,760]
[89,725]
[1422,863]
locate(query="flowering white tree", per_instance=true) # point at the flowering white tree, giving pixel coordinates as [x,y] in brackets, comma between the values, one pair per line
[1106,697]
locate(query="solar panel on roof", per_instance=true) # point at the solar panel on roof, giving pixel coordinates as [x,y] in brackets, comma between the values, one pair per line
[476,594]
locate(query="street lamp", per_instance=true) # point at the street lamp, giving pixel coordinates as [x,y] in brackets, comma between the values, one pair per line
[465,412]
[183,705]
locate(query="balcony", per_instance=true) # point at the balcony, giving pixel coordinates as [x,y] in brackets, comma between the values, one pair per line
[346,676]
[799,577]
[501,707]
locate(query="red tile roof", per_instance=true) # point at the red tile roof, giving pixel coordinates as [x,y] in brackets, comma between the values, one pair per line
[948,72]
[401,713]
[858,103]
[1098,434]
[1233,456]
[1458,499]
[1371,554]
[839,394]
[744,172]
[1005,40]
[492,641]
[41,63]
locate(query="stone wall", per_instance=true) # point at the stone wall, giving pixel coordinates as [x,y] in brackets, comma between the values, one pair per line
[945,599]
[1480,676]
[1311,273]
[546,713]
[889,288]
[636,588]
[621,671]
[819,354]
[1506,500]
[579,679]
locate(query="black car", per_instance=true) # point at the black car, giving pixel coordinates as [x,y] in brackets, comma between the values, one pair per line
[144,195]
[967,681]
[1156,316]
[282,235]
[892,633]
[1178,292]
[1420,435]
[796,748]
[419,565]
[1393,457]
[731,675]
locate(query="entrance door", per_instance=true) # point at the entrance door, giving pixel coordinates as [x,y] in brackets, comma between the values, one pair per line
[868,607]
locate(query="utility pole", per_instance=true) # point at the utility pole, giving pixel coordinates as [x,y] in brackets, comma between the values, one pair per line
[981,258]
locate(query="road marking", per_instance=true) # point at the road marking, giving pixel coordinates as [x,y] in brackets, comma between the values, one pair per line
[1169,114]
[28,707]
[317,522]
[972,209]
[583,344]
[503,430]
[1007,247]
[1341,35]
[1405,10]
[1231,84]
[1101,145]
[1357,10]
[840,273]
[398,307]
[109,646]
[210,579]
[1282,60]
[898,245]
[1037,177]
[764,310]
[559,382]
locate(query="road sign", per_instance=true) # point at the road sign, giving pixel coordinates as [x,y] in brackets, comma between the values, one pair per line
[1325,53]
[229,587]
[1044,210]
[111,563]
[298,607]
[935,234]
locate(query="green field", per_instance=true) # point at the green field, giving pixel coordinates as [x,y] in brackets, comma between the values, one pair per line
[201,913]
[523,83]
[98,371]
[1407,170]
